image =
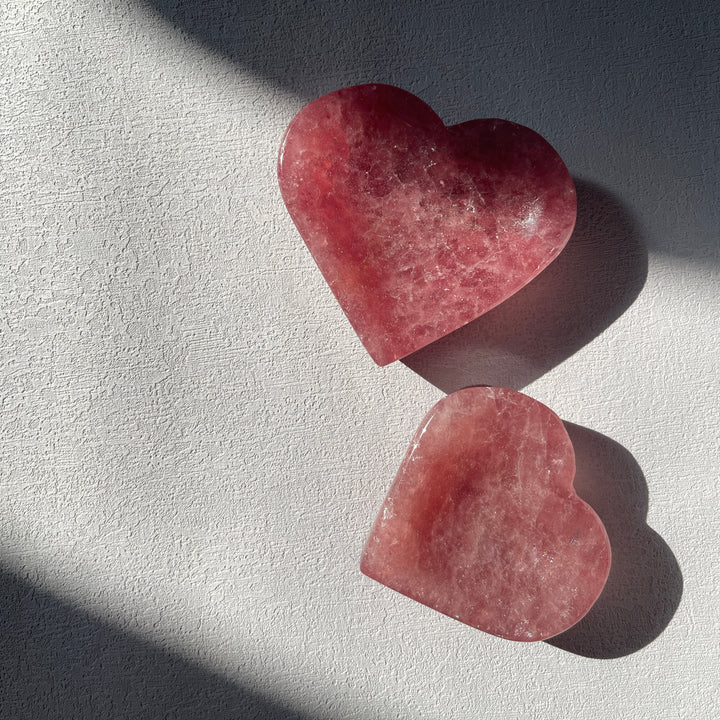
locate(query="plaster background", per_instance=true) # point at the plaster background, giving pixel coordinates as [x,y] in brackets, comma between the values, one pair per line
[193,442]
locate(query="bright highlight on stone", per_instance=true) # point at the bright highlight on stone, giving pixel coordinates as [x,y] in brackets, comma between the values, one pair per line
[419,228]
[482,522]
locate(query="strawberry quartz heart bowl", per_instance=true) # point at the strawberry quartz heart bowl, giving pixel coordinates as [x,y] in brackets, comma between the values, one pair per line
[483,524]
[419,228]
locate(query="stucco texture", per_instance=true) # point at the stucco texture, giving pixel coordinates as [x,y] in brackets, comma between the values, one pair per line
[194,444]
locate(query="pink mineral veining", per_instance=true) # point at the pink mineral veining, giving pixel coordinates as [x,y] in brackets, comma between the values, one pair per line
[482,522]
[419,228]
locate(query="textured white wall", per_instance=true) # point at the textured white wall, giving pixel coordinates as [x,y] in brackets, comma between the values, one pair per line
[194,443]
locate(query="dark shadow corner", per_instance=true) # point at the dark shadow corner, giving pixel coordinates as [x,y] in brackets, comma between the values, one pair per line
[645,584]
[590,285]
[56,662]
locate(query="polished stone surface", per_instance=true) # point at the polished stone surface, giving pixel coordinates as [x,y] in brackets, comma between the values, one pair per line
[483,524]
[419,228]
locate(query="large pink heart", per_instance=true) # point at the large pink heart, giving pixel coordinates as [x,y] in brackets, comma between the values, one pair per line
[483,524]
[420,228]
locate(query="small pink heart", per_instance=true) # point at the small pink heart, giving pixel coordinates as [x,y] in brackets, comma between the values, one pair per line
[419,228]
[482,522]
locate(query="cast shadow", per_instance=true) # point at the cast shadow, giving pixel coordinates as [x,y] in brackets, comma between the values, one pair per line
[475,59]
[308,48]
[591,283]
[645,584]
[57,662]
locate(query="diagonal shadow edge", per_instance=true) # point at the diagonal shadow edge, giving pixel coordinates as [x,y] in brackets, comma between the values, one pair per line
[309,49]
[58,662]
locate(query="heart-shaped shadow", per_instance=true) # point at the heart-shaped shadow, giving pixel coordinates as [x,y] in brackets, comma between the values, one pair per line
[645,584]
[592,282]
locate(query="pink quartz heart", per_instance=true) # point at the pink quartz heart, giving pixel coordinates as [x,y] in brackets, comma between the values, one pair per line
[482,522]
[419,228]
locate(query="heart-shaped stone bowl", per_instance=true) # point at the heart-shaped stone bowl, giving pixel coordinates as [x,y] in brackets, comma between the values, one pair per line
[483,524]
[419,228]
